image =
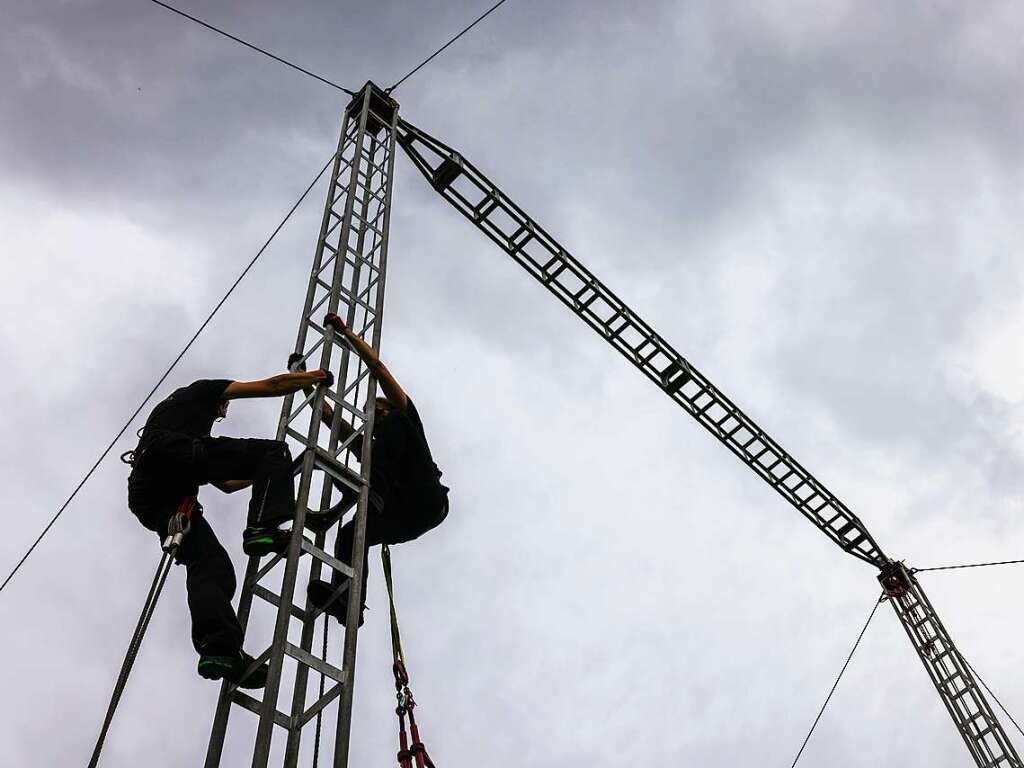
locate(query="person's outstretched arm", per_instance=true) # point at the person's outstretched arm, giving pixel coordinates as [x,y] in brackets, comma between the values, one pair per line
[345,429]
[278,386]
[389,387]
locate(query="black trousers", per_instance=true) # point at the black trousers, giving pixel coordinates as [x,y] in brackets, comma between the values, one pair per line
[169,470]
[394,524]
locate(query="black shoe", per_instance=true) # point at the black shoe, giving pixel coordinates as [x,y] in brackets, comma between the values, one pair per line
[263,541]
[319,593]
[232,667]
[321,522]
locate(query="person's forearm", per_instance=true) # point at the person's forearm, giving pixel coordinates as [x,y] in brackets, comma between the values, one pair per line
[326,411]
[345,429]
[365,351]
[287,383]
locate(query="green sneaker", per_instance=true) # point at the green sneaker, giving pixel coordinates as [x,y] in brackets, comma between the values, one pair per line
[263,541]
[233,669]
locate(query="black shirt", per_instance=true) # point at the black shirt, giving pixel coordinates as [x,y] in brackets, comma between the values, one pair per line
[186,414]
[187,411]
[402,469]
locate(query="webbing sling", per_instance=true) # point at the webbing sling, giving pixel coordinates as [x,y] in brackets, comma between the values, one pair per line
[407,752]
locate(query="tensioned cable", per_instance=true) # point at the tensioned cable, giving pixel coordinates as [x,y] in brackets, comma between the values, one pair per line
[256,48]
[967,565]
[994,697]
[167,373]
[835,685]
[432,56]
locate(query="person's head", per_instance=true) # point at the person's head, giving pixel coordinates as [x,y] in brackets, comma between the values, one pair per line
[381,407]
[222,409]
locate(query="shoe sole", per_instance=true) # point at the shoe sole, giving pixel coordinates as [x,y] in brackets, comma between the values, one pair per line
[217,669]
[264,546]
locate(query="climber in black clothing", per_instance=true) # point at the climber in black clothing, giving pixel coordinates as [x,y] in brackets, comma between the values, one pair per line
[175,456]
[407,498]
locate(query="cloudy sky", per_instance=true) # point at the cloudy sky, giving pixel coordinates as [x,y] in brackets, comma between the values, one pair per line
[819,203]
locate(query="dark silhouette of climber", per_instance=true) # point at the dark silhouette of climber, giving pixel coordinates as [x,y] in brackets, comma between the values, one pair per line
[407,498]
[175,456]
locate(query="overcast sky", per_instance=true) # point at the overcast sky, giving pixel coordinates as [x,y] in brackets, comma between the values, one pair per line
[819,203]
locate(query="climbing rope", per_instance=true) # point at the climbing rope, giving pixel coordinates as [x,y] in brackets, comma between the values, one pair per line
[835,685]
[320,714]
[177,528]
[407,752]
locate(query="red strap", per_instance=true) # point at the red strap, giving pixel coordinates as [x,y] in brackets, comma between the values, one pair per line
[187,506]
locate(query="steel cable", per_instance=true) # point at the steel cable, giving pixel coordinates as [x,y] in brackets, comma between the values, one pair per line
[967,565]
[835,685]
[990,693]
[166,373]
[256,48]
[436,53]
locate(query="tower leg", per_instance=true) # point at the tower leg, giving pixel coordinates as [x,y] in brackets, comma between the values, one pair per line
[348,278]
[952,677]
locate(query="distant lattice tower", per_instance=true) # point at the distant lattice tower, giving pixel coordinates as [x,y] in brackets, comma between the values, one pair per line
[348,278]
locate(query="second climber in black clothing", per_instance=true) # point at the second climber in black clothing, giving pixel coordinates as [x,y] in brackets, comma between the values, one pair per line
[407,498]
[174,457]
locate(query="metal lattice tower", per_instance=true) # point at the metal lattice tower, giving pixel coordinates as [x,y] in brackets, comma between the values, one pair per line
[348,278]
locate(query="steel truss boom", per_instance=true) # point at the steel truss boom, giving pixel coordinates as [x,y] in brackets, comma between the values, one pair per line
[516,233]
[480,200]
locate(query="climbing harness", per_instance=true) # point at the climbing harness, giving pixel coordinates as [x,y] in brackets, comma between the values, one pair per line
[177,529]
[130,457]
[407,752]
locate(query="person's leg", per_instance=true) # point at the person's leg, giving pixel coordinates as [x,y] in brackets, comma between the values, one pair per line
[216,633]
[429,512]
[322,592]
[210,582]
[268,464]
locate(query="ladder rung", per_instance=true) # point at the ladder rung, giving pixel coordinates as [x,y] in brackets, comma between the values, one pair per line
[845,529]
[852,543]
[327,698]
[254,706]
[321,666]
[265,569]
[326,559]
[959,694]
[274,599]
[485,207]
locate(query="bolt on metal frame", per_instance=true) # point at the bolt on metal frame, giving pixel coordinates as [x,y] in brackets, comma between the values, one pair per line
[348,278]
[516,233]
